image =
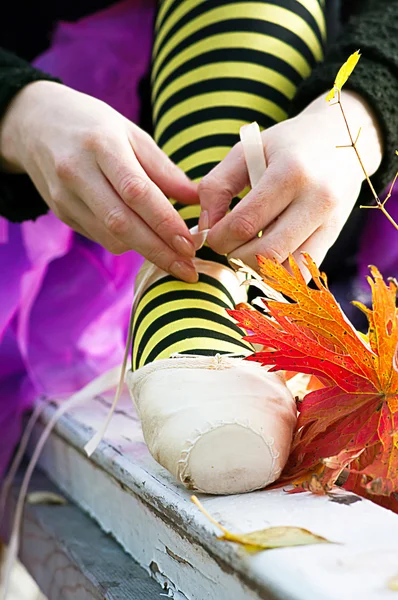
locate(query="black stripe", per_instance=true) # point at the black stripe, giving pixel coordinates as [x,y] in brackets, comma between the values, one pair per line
[241,25]
[186,313]
[201,170]
[185,334]
[191,223]
[235,201]
[207,253]
[225,84]
[226,140]
[240,113]
[292,5]
[203,277]
[173,297]
[256,57]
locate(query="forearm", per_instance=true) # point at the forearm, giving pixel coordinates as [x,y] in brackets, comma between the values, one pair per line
[358,118]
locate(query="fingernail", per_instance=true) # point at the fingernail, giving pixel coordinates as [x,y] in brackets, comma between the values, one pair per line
[185,271]
[183,246]
[203,220]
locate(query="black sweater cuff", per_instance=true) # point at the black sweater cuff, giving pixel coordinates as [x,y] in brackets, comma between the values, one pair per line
[375,77]
[19,199]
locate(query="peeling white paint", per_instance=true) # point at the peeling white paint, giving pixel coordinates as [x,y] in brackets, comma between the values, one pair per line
[153,518]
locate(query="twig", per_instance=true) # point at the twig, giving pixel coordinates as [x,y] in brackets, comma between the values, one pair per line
[379,204]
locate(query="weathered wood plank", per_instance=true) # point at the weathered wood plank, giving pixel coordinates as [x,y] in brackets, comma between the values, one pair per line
[71,558]
[153,518]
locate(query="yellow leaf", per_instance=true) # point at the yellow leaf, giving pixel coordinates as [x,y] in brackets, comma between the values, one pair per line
[346,70]
[344,73]
[266,539]
[331,94]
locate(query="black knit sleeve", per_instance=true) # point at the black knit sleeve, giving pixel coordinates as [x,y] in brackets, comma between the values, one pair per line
[19,199]
[373,30]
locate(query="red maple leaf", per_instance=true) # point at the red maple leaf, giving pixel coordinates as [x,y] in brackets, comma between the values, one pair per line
[352,420]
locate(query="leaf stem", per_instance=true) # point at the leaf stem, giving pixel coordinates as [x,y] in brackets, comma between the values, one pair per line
[207,515]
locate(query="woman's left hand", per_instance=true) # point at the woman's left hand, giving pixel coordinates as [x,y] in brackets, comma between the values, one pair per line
[307,191]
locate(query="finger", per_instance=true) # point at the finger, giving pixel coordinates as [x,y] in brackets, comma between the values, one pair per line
[168,177]
[83,220]
[76,227]
[287,233]
[274,192]
[226,180]
[144,198]
[128,228]
[317,246]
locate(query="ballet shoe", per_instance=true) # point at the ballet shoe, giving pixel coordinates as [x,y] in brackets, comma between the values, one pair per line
[220,424]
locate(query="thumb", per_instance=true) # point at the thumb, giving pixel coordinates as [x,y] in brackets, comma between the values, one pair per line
[161,170]
[226,180]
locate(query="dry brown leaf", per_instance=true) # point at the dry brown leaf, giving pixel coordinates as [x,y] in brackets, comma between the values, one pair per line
[45,498]
[266,539]
[275,537]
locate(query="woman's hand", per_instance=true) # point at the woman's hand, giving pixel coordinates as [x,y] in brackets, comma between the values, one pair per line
[100,174]
[308,189]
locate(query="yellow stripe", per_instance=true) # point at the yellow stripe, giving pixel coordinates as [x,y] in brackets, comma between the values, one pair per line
[246,10]
[173,18]
[188,323]
[178,286]
[219,99]
[312,6]
[244,192]
[226,69]
[181,305]
[202,157]
[201,130]
[200,344]
[191,211]
[316,11]
[243,40]
[164,6]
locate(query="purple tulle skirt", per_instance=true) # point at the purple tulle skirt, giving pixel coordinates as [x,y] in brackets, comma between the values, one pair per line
[64,300]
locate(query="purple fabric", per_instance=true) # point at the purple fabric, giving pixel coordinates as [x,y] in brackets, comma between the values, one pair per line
[64,300]
[379,245]
[105,55]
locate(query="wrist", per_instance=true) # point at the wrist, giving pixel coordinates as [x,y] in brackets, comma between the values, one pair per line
[14,129]
[359,116]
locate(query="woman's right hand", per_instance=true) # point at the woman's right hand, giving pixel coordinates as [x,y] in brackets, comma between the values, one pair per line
[100,174]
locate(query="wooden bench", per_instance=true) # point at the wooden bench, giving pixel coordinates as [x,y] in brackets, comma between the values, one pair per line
[71,558]
[152,517]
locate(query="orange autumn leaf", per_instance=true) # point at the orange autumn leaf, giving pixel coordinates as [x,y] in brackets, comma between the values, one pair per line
[355,411]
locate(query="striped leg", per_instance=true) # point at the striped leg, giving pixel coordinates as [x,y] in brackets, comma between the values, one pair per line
[217,64]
